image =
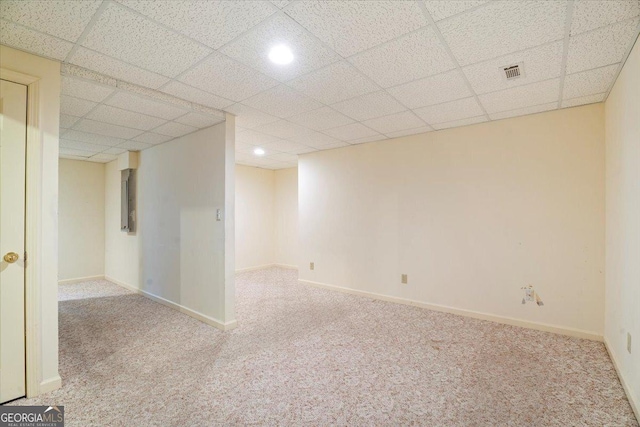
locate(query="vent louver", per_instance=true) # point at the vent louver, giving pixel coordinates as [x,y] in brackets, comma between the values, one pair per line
[512,71]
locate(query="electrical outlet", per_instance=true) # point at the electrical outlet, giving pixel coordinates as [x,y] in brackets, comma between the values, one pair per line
[529,294]
[404,279]
[629,342]
[312,265]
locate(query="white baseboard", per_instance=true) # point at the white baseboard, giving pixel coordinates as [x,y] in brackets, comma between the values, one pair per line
[51,384]
[633,400]
[224,326]
[462,312]
[265,266]
[79,280]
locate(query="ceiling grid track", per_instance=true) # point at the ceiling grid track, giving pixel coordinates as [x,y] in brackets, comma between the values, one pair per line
[565,49]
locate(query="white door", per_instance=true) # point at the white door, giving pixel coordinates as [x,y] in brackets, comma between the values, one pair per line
[13,144]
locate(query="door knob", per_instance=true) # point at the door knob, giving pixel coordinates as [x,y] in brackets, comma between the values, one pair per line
[11,257]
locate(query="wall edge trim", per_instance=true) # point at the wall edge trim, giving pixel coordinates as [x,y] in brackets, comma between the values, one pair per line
[80,280]
[50,384]
[635,404]
[463,312]
[223,326]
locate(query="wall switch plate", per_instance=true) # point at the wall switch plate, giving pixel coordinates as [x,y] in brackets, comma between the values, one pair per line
[529,294]
[218,215]
[312,265]
[629,342]
[404,279]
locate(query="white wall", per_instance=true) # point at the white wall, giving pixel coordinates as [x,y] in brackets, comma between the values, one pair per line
[178,251]
[255,190]
[470,214]
[81,220]
[286,217]
[47,204]
[622,313]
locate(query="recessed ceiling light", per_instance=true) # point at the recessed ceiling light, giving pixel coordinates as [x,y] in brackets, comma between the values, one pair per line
[258,152]
[281,54]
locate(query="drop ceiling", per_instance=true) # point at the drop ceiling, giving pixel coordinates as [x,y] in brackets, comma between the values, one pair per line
[363,70]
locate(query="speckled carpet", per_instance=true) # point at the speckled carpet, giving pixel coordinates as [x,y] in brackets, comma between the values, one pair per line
[307,356]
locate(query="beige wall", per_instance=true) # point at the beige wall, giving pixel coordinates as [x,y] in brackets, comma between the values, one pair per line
[81,220]
[47,252]
[177,254]
[622,313]
[470,214]
[255,190]
[286,217]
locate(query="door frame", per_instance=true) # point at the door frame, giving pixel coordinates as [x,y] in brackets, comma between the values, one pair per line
[33,279]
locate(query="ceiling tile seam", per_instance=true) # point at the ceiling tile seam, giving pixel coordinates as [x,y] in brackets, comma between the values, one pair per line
[438,33]
[593,69]
[565,49]
[37,32]
[622,62]
[348,58]
[87,29]
[218,50]
[161,99]
[582,96]
[466,11]
[592,30]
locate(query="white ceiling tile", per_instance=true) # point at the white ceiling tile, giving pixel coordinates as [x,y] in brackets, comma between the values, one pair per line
[322,118]
[503,27]
[75,106]
[227,78]
[282,101]
[127,36]
[333,146]
[284,157]
[249,118]
[75,152]
[589,82]
[539,63]
[174,129]
[213,23]
[524,111]
[285,146]
[117,69]
[252,49]
[450,111]
[432,90]
[66,121]
[102,158]
[152,138]
[80,145]
[61,18]
[353,26]
[369,106]
[318,140]
[31,41]
[521,96]
[134,145]
[395,122]
[198,96]
[591,14]
[283,129]
[115,151]
[85,89]
[126,118]
[199,120]
[302,149]
[601,47]
[583,100]
[441,9]
[407,132]
[253,137]
[416,55]
[366,139]
[334,83]
[149,107]
[92,138]
[105,129]
[280,3]
[351,132]
[459,123]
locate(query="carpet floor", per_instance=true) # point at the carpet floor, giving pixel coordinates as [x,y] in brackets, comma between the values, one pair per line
[307,356]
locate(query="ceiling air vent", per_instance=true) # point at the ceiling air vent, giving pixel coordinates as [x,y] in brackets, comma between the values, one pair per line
[512,71]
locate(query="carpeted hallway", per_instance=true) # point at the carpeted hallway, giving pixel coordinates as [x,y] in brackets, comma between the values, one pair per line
[306,356]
